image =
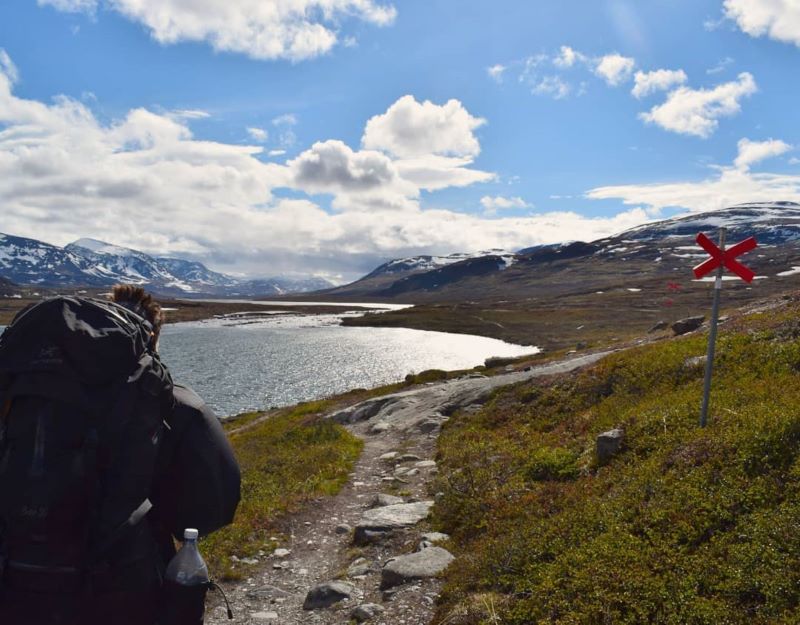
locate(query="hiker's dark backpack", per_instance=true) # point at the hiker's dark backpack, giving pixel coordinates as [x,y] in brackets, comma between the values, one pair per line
[82,401]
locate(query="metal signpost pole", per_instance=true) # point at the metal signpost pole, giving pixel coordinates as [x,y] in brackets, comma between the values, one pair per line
[712,334]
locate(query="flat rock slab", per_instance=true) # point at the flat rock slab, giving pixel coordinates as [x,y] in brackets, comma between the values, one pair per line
[327,594]
[388,518]
[420,565]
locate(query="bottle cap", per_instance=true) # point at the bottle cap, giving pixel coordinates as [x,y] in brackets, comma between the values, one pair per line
[190,533]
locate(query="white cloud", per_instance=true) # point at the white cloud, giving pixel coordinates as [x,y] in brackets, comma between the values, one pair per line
[696,112]
[410,129]
[659,80]
[496,72]
[257,134]
[287,119]
[7,67]
[71,6]
[751,152]
[552,86]
[180,113]
[567,57]
[276,152]
[147,182]
[615,69]
[493,204]
[728,186]
[261,29]
[777,19]
[720,67]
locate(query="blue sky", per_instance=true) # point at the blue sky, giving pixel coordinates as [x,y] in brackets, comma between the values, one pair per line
[325,136]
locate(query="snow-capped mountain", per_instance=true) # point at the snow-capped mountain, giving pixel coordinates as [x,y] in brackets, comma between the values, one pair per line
[93,263]
[659,251]
[429,263]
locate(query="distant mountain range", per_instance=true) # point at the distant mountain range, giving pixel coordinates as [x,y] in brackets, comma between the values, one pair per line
[664,250]
[91,263]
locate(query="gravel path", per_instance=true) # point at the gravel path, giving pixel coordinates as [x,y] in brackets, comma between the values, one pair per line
[400,432]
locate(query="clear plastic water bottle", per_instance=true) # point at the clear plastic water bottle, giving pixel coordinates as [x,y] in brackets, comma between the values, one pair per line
[188,568]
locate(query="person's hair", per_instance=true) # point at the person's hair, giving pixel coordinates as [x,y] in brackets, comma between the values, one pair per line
[139,301]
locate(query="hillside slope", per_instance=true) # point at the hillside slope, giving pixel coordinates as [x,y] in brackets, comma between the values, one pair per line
[685,525]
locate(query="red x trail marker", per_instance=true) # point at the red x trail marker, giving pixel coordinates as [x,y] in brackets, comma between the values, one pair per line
[721,258]
[725,258]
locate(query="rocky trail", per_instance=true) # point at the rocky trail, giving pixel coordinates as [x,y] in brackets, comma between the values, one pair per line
[368,554]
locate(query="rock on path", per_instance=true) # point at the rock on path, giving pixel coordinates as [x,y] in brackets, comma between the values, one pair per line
[420,565]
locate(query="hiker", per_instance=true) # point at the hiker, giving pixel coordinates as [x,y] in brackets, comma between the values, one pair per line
[103,461]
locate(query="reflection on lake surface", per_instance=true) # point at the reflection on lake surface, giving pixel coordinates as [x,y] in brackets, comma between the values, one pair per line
[280,361]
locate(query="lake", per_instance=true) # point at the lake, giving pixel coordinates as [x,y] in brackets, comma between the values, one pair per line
[277,362]
[250,364]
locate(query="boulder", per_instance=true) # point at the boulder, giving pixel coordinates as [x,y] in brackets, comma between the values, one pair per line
[327,594]
[608,444]
[388,518]
[420,565]
[365,612]
[689,324]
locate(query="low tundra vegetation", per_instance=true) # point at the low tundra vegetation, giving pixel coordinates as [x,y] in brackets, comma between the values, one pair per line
[286,459]
[683,526]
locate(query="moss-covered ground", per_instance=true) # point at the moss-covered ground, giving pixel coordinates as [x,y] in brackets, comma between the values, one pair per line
[684,526]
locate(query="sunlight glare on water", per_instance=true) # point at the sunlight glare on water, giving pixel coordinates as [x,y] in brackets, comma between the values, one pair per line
[240,367]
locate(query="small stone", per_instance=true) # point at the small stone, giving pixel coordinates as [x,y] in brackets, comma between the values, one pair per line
[425,464]
[264,616]
[365,612]
[358,569]
[343,528]
[249,560]
[420,565]
[428,426]
[380,428]
[382,499]
[266,593]
[435,537]
[327,594]
[281,553]
[388,456]
[608,444]
[409,458]
[302,572]
[695,363]
[658,327]
[412,472]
